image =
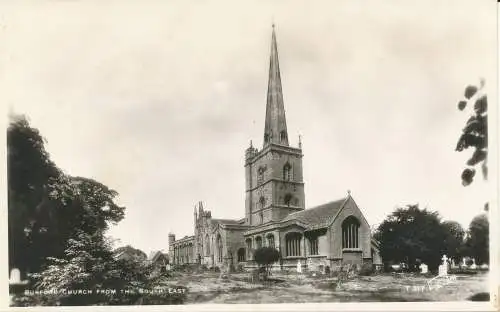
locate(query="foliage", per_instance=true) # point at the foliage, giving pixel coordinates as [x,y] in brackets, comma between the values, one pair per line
[88,264]
[475,133]
[131,253]
[57,226]
[477,243]
[266,256]
[411,235]
[454,240]
[46,206]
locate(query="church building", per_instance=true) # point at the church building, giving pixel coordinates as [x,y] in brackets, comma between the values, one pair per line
[331,235]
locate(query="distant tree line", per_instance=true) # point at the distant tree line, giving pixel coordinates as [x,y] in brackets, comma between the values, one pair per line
[413,236]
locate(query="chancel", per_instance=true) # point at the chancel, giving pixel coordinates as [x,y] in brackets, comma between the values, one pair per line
[327,236]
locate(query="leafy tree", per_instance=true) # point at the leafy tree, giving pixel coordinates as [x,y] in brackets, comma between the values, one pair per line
[46,206]
[475,133]
[131,253]
[410,234]
[477,243]
[88,264]
[266,257]
[454,240]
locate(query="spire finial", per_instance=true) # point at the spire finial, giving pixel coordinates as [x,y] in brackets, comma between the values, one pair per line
[300,141]
[251,143]
[349,192]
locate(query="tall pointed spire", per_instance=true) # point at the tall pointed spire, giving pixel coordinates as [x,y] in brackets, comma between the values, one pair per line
[275,126]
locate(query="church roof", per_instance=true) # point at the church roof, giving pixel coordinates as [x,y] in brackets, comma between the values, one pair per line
[226,221]
[318,216]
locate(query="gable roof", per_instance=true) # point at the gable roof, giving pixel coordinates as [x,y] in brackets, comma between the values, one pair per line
[319,216]
[155,255]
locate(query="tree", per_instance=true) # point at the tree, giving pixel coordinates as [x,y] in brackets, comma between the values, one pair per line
[47,207]
[454,240]
[477,243]
[131,253]
[410,234]
[266,257]
[475,133]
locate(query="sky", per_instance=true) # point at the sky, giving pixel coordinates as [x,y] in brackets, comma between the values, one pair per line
[159,100]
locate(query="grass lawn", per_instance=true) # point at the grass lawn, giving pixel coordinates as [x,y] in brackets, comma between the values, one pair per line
[208,287]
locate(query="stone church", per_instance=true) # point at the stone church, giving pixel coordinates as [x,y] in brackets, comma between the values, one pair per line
[330,235]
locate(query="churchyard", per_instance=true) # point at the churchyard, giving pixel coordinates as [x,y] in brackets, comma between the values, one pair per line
[282,287]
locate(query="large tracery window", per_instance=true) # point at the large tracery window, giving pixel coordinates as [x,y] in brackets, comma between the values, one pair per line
[350,233]
[270,240]
[258,242]
[292,241]
[249,247]
[207,246]
[219,248]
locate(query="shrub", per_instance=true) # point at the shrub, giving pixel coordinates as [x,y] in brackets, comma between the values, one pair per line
[266,257]
[366,269]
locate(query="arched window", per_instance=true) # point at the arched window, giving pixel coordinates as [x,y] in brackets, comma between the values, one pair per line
[350,233]
[266,138]
[262,202]
[248,242]
[270,240]
[260,175]
[288,199]
[261,217]
[219,248]
[283,136]
[287,172]
[258,242]
[207,245]
[292,244]
[241,254]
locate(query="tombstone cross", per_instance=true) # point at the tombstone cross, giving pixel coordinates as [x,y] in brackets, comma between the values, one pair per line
[444,259]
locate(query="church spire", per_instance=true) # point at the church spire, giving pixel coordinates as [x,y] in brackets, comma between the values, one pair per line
[275,126]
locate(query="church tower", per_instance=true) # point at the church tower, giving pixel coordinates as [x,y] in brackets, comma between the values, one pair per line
[274,182]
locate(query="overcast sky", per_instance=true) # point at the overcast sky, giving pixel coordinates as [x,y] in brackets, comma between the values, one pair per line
[158,100]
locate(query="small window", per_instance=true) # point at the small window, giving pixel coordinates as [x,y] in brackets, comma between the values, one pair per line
[283,136]
[287,172]
[266,138]
[261,217]
[260,175]
[262,202]
[288,199]
[313,246]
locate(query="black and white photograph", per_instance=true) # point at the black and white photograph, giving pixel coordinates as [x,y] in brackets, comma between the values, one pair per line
[250,153]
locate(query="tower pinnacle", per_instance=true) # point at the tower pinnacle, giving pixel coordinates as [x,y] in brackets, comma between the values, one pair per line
[275,130]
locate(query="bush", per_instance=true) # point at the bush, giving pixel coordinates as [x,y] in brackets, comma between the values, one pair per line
[266,257]
[366,270]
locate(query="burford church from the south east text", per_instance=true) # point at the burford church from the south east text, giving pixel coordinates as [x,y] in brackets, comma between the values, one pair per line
[327,236]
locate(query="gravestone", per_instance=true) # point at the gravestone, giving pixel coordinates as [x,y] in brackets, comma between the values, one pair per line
[443,268]
[464,262]
[473,265]
[424,268]
[15,276]
[299,267]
